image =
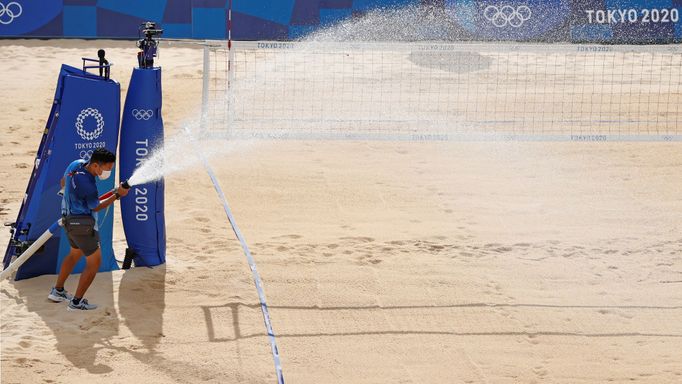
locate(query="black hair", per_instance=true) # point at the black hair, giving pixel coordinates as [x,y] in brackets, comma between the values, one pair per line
[102,156]
[101,53]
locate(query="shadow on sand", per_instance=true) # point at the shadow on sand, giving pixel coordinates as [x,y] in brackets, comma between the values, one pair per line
[81,335]
[235,307]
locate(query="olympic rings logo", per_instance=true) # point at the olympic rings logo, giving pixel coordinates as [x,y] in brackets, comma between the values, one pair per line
[11,10]
[89,112]
[86,155]
[142,114]
[507,15]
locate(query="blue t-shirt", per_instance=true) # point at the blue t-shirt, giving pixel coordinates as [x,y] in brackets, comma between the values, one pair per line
[80,190]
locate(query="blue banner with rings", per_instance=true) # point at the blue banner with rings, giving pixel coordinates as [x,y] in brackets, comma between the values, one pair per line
[85,116]
[143,213]
[602,21]
[509,20]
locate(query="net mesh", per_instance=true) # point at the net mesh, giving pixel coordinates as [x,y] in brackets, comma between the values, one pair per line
[420,91]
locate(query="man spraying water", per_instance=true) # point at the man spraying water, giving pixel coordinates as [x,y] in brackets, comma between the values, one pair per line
[80,205]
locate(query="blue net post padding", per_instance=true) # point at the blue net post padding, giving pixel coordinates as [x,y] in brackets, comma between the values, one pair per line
[84,116]
[142,211]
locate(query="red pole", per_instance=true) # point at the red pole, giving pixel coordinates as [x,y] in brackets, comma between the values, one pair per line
[229,25]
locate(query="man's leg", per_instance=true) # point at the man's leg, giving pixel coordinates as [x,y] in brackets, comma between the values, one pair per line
[91,267]
[67,266]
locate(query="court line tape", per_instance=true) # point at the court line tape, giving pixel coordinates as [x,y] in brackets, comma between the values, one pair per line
[252,263]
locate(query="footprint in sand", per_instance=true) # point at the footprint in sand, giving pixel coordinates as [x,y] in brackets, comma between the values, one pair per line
[540,371]
[23,362]
[362,239]
[295,237]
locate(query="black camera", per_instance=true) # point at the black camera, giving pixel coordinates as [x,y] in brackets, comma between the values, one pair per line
[148,44]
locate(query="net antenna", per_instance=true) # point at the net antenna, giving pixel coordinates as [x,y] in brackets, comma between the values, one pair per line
[230,69]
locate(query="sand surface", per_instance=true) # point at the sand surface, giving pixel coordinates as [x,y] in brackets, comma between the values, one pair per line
[383,262]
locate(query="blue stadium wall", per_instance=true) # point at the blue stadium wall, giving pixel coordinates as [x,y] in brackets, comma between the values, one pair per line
[617,21]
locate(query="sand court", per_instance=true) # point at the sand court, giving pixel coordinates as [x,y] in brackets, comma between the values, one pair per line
[414,262]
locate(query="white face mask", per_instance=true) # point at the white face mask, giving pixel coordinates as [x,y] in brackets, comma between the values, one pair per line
[105,175]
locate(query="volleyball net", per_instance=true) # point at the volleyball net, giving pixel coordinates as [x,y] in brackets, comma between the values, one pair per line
[443,91]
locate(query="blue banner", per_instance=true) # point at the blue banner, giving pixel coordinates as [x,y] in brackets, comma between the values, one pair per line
[509,20]
[627,21]
[142,211]
[616,21]
[84,116]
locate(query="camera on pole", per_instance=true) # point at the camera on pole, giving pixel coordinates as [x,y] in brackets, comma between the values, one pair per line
[148,44]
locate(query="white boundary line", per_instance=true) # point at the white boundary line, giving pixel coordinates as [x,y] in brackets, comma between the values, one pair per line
[252,263]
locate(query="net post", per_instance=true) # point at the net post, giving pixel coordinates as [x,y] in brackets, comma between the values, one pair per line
[230,92]
[204,91]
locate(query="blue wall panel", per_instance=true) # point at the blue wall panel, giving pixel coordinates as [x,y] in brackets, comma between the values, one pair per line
[277,11]
[147,9]
[332,16]
[618,21]
[208,23]
[115,24]
[80,20]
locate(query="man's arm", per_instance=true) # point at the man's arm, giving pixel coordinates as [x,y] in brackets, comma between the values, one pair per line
[105,203]
[88,192]
[120,192]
